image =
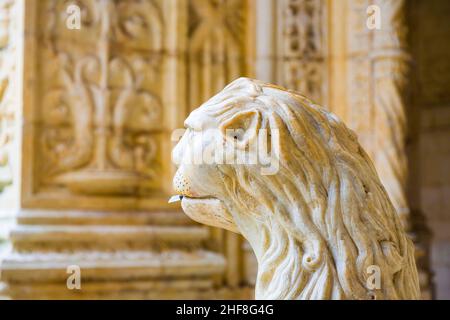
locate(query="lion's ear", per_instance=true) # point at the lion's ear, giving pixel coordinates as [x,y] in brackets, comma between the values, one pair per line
[242,127]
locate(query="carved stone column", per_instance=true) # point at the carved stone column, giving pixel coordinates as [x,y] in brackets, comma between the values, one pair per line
[375,100]
[99,106]
[391,63]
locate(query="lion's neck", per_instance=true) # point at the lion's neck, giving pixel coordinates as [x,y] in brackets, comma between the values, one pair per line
[281,274]
[278,256]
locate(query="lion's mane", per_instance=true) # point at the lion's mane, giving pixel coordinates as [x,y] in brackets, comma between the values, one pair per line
[327,223]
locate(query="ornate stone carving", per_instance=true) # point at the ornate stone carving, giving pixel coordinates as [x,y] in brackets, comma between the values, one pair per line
[8,86]
[216,46]
[320,223]
[302,46]
[101,107]
[108,95]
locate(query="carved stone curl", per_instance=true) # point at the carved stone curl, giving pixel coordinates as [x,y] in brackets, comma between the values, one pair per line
[321,224]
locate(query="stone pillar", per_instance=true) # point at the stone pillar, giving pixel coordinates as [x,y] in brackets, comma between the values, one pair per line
[374,102]
[391,62]
[99,106]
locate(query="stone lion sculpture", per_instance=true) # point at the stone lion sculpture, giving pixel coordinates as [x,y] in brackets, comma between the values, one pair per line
[321,224]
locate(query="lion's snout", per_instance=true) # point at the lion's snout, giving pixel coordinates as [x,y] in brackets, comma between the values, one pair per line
[182,185]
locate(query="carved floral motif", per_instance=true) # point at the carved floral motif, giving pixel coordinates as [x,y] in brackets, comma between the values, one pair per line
[303,47]
[101,97]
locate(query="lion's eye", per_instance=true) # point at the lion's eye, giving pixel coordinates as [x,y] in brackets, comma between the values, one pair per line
[236,134]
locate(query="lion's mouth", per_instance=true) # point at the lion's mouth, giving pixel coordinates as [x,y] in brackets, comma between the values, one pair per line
[175,198]
[179,197]
[206,210]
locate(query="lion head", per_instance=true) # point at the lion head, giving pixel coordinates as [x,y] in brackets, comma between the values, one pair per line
[321,224]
